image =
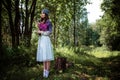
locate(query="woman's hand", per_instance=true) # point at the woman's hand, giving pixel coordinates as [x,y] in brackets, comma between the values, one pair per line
[39,32]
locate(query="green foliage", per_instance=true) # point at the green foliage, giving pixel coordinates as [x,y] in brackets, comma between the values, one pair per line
[109,33]
[110,24]
[92,37]
[103,52]
[62,16]
[92,64]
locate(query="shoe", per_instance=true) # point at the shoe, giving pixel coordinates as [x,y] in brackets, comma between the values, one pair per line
[44,73]
[47,74]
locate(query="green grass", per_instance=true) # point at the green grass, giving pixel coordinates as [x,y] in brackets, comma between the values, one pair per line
[101,52]
[89,64]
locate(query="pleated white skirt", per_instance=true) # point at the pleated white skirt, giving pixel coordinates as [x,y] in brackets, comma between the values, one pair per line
[45,49]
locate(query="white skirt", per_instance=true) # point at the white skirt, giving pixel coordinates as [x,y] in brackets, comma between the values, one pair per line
[45,49]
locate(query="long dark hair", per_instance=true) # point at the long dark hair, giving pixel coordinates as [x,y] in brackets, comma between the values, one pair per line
[46,18]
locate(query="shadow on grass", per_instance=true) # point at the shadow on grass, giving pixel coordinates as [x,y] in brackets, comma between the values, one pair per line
[113,63]
[86,67]
[104,67]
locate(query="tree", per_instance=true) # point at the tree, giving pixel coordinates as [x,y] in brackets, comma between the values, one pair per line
[65,17]
[111,24]
[68,17]
[13,10]
[1,52]
[29,17]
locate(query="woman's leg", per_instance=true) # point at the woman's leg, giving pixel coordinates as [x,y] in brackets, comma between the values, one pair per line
[44,65]
[47,68]
[44,68]
[48,65]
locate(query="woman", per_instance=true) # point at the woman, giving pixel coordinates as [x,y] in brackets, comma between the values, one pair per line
[44,50]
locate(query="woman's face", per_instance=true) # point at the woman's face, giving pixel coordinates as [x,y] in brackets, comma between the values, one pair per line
[42,15]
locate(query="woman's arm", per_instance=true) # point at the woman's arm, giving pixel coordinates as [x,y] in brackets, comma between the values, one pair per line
[46,33]
[49,31]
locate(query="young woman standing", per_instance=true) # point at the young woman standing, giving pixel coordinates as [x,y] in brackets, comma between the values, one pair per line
[45,50]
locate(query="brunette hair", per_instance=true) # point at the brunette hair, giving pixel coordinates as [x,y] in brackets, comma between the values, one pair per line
[46,18]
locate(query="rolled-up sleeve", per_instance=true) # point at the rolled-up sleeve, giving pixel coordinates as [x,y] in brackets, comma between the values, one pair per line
[49,24]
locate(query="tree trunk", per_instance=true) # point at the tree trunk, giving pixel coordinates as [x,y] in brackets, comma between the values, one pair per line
[29,16]
[17,22]
[74,33]
[54,30]
[32,10]
[11,22]
[1,53]
[8,6]
[26,23]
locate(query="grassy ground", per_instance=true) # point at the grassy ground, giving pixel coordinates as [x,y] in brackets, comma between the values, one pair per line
[89,64]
